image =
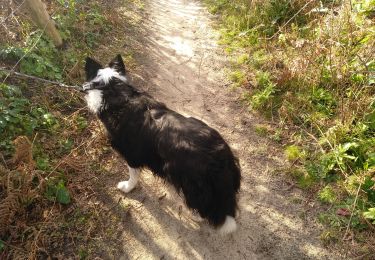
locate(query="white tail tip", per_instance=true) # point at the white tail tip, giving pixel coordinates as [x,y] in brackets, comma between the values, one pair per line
[229,226]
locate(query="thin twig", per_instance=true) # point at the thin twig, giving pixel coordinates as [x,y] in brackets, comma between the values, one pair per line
[351,215]
[40,79]
[13,246]
[174,85]
[3,159]
[361,256]
[200,65]
[313,137]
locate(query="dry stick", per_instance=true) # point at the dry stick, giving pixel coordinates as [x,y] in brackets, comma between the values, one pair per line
[35,245]
[351,215]
[174,85]
[314,138]
[200,65]
[3,159]
[361,256]
[12,246]
[282,27]
[10,72]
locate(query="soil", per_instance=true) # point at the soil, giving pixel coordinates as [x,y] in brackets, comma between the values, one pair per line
[172,53]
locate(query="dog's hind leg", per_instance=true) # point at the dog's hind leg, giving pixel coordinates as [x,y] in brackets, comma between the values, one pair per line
[127,186]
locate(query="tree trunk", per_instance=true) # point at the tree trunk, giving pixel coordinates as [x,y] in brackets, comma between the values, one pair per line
[39,15]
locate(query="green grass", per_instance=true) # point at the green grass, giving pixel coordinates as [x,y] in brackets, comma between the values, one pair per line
[238,77]
[293,153]
[317,75]
[261,130]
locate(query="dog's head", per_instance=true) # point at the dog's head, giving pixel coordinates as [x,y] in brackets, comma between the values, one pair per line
[104,82]
[98,77]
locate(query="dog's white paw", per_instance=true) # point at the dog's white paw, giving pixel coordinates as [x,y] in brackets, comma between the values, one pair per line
[125,186]
[229,226]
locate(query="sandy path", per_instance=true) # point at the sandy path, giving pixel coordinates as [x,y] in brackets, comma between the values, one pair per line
[181,65]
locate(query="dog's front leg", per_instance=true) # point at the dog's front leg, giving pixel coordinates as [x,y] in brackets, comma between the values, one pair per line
[127,186]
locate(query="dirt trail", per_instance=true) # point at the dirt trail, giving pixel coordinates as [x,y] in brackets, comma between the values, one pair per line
[181,65]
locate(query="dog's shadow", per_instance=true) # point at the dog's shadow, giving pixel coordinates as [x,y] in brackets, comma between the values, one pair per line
[156,221]
[153,216]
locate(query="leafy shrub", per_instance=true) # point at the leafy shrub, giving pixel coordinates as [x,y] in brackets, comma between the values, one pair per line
[323,101]
[370,214]
[19,117]
[41,62]
[327,194]
[57,191]
[315,71]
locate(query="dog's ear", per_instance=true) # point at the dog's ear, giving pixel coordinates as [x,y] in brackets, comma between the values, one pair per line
[91,68]
[118,65]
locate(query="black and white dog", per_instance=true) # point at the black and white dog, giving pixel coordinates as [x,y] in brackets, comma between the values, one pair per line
[184,151]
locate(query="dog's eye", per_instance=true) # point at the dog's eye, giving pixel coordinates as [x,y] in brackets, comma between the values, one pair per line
[97,85]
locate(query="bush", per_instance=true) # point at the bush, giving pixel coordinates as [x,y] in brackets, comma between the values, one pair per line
[312,66]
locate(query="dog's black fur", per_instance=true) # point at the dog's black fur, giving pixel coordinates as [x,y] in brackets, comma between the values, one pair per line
[182,150]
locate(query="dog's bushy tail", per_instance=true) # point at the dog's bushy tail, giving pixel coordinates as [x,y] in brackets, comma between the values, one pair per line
[227,207]
[214,194]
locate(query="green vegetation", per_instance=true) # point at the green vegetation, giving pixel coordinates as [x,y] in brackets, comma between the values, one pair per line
[40,129]
[294,153]
[308,64]
[19,117]
[311,65]
[57,192]
[327,194]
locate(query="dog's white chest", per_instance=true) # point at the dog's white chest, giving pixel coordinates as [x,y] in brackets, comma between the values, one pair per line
[94,99]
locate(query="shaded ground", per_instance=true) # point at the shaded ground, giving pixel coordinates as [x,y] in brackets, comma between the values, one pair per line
[178,61]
